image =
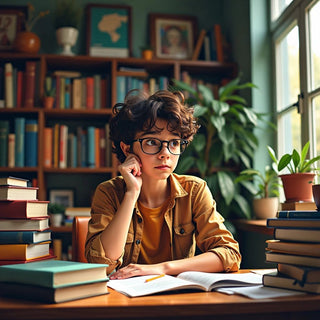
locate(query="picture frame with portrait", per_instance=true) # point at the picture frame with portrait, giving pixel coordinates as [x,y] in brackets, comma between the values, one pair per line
[11,22]
[108,30]
[172,36]
[64,197]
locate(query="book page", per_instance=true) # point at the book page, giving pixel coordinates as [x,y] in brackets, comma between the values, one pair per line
[137,286]
[212,281]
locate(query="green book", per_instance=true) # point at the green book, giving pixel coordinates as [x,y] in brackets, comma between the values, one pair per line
[54,273]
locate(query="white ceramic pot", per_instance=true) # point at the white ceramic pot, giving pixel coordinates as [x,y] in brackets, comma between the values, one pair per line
[266,207]
[67,38]
[56,219]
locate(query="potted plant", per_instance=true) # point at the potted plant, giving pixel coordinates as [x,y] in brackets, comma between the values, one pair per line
[225,143]
[49,96]
[56,212]
[265,188]
[147,52]
[67,20]
[297,182]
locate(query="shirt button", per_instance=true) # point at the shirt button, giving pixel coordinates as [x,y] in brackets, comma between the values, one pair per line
[139,219]
[182,231]
[138,241]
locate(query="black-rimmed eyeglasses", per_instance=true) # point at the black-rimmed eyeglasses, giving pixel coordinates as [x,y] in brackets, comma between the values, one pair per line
[154,145]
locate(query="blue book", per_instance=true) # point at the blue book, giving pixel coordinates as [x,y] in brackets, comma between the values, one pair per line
[13,237]
[19,130]
[31,143]
[91,147]
[67,93]
[54,273]
[299,214]
[121,88]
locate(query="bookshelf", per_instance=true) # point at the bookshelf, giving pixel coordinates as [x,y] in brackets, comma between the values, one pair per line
[109,69]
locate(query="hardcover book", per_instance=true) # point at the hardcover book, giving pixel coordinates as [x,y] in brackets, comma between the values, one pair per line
[297,235]
[203,281]
[31,143]
[298,206]
[298,248]
[281,281]
[6,262]
[300,273]
[52,295]
[30,85]
[13,181]
[18,193]
[54,273]
[19,209]
[307,261]
[24,251]
[298,214]
[35,224]
[12,237]
[293,223]
[19,130]
[4,132]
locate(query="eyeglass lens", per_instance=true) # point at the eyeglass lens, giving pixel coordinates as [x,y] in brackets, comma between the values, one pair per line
[153,146]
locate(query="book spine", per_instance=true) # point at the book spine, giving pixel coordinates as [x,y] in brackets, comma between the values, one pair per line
[199,44]
[91,147]
[76,93]
[20,141]
[47,152]
[12,237]
[11,149]
[97,91]
[102,147]
[63,146]
[8,69]
[97,147]
[62,95]
[2,87]
[55,155]
[13,251]
[20,76]
[30,76]
[31,143]
[121,88]
[219,45]
[4,132]
[90,92]
[290,214]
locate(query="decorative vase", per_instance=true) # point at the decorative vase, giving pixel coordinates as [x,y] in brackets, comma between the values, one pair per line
[26,42]
[298,186]
[265,208]
[67,38]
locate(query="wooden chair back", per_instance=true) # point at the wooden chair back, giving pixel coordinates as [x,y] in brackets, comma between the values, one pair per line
[79,235]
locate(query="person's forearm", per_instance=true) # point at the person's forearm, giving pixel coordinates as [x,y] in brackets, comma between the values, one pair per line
[205,262]
[114,237]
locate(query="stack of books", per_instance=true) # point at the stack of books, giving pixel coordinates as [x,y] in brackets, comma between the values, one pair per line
[53,281]
[24,227]
[296,251]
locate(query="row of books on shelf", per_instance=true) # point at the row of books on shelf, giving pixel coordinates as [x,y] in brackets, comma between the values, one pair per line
[19,145]
[85,147]
[27,268]
[73,90]
[18,85]
[295,249]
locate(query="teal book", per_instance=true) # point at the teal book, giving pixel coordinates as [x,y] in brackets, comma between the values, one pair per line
[15,237]
[121,88]
[54,273]
[31,143]
[298,214]
[91,147]
[19,130]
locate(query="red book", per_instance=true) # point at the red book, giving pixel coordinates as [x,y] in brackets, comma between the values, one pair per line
[90,92]
[19,88]
[29,81]
[20,209]
[5,262]
[219,46]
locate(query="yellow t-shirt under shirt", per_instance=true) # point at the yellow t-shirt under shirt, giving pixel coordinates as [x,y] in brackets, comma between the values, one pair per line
[155,244]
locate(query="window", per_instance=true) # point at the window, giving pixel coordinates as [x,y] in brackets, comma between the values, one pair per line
[296,48]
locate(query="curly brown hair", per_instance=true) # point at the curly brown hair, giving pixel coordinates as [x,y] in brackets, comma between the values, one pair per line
[139,113]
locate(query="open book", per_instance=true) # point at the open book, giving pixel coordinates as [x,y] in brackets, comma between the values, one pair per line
[143,285]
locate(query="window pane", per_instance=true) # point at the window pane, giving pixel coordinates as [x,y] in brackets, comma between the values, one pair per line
[287,65]
[316,122]
[314,20]
[277,7]
[289,132]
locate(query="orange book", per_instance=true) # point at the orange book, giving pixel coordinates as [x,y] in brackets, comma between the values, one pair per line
[219,45]
[24,251]
[47,151]
[90,92]
[63,142]
[199,44]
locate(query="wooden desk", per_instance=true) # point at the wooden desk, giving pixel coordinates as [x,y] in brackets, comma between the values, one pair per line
[186,306]
[258,226]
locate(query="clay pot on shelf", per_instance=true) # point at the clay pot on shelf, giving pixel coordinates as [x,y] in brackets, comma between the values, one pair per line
[265,208]
[27,42]
[48,102]
[147,54]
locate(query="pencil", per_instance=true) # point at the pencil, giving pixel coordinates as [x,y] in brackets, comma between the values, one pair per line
[156,277]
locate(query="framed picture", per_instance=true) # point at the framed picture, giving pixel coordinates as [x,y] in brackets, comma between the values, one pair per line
[11,18]
[172,36]
[64,197]
[109,30]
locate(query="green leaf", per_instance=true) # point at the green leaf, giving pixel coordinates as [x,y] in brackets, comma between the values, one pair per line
[199,111]
[184,86]
[226,135]
[218,122]
[243,205]
[251,115]
[201,165]
[284,161]
[219,107]
[185,164]
[199,142]
[206,92]
[296,160]
[226,185]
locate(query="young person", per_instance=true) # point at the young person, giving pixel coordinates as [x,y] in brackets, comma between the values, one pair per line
[149,220]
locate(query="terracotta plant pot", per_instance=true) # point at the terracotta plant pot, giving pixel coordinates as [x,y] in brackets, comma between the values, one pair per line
[48,102]
[316,195]
[147,54]
[265,208]
[27,42]
[298,186]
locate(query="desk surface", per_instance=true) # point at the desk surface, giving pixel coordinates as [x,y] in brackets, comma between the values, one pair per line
[195,305]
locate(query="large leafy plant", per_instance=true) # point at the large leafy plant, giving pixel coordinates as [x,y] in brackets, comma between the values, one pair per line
[225,143]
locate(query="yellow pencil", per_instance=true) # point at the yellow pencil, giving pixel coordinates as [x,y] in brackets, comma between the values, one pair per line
[156,277]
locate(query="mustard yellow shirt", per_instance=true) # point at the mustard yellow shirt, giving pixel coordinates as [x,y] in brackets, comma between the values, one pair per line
[190,215]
